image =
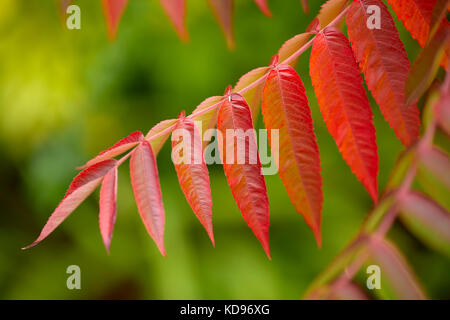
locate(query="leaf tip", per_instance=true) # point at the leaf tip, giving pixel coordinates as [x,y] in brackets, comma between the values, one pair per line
[318,236]
[274,60]
[182,115]
[228,91]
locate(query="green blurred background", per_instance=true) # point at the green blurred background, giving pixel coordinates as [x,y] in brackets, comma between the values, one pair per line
[65,95]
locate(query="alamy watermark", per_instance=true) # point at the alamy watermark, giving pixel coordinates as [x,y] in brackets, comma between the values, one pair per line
[374,280]
[74,280]
[73,21]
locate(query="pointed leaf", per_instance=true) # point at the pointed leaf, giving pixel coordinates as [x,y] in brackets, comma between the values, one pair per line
[223,11]
[147,192]
[425,67]
[159,134]
[382,58]
[427,220]
[292,45]
[285,108]
[262,4]
[397,277]
[416,16]
[176,11]
[192,171]
[330,10]
[120,147]
[80,188]
[254,95]
[113,10]
[244,177]
[108,206]
[344,105]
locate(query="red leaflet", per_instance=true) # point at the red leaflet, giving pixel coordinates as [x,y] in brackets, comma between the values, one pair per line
[223,11]
[80,188]
[108,207]
[285,107]
[120,147]
[147,192]
[382,58]
[416,17]
[176,11]
[244,177]
[344,105]
[114,10]
[187,155]
[262,4]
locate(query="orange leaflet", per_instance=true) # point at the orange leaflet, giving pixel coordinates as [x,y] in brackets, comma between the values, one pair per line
[176,11]
[80,188]
[147,192]
[285,108]
[223,11]
[262,4]
[244,177]
[344,105]
[192,172]
[383,59]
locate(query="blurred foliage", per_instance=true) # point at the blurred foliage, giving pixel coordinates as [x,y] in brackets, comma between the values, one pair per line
[65,95]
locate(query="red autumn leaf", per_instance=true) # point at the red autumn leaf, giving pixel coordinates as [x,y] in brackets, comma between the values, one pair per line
[223,11]
[344,105]
[244,177]
[383,59]
[80,188]
[120,147]
[416,17]
[192,171]
[262,4]
[108,206]
[147,192]
[285,107]
[176,11]
[113,10]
